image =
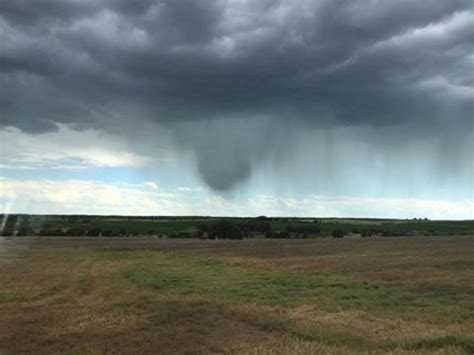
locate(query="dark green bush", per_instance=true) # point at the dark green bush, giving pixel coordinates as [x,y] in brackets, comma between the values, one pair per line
[338,233]
[303,228]
[76,232]
[277,235]
[93,232]
[225,230]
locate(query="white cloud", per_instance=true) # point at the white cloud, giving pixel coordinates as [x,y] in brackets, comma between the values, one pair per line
[443,88]
[186,189]
[343,206]
[87,197]
[151,185]
[441,32]
[64,149]
[93,197]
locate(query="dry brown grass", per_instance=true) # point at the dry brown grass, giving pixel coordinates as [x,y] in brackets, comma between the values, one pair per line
[65,299]
[67,304]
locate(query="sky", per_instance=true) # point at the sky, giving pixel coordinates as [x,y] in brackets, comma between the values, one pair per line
[336,108]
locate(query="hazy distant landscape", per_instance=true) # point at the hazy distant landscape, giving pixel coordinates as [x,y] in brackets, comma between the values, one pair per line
[202,227]
[95,284]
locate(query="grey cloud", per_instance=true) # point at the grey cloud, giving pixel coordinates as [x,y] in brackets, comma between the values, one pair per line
[311,63]
[27,13]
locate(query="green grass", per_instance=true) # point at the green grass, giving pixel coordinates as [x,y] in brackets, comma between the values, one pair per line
[9,296]
[320,334]
[368,295]
[82,286]
[171,274]
[464,343]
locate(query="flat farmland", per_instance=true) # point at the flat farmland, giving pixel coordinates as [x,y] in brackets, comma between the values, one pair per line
[99,295]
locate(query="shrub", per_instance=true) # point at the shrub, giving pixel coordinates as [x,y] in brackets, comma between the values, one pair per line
[256,226]
[338,233]
[93,232]
[391,233]
[199,235]
[51,232]
[225,230]
[107,233]
[203,228]
[23,231]
[181,235]
[277,235]
[76,232]
[7,233]
[302,229]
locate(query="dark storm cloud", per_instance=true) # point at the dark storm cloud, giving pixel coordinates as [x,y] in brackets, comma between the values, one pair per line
[310,62]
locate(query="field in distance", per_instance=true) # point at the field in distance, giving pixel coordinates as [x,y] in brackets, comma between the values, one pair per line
[398,295]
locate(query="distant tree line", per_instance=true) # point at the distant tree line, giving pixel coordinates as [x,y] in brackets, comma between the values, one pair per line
[212,228]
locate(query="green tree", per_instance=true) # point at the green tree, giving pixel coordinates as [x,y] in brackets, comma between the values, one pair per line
[225,230]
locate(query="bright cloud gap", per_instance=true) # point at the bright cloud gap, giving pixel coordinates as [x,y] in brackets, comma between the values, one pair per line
[92,197]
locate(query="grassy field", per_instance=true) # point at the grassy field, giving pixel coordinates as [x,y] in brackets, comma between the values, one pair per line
[147,295]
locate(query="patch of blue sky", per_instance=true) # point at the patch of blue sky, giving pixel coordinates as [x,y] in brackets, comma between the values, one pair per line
[102,174]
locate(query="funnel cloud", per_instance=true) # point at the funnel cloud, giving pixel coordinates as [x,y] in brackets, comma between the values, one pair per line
[242,85]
